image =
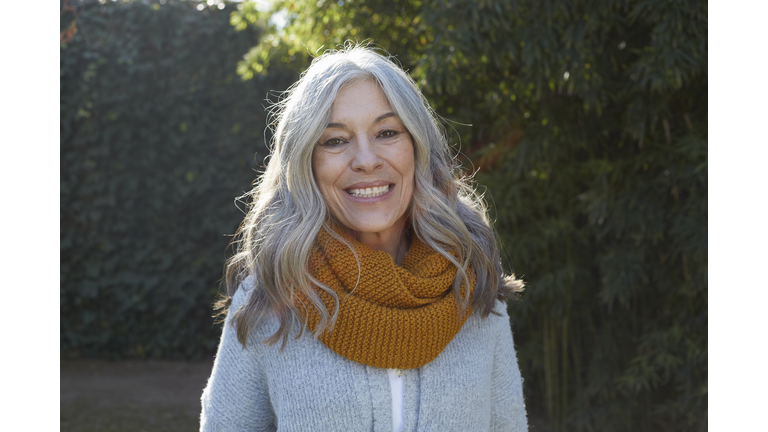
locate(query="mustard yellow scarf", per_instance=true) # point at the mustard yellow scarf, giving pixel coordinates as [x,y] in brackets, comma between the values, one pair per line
[392,316]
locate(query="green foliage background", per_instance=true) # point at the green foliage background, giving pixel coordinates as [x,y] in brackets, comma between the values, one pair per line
[158,136]
[589,133]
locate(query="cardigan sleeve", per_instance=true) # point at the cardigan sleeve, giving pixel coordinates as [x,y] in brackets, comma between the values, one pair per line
[236,397]
[507,404]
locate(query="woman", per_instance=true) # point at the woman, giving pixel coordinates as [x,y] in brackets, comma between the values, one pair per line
[362,233]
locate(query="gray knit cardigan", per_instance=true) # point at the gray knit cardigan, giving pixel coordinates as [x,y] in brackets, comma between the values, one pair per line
[473,385]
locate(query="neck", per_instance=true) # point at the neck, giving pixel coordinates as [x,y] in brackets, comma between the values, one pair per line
[393,241]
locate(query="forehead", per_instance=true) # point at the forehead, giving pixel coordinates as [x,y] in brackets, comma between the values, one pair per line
[360,99]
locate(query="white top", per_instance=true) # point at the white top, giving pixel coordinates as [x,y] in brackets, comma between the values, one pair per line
[396,385]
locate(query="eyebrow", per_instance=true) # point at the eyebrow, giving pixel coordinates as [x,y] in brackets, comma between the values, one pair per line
[378,119]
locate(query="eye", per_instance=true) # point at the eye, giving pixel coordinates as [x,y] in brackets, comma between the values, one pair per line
[388,134]
[333,142]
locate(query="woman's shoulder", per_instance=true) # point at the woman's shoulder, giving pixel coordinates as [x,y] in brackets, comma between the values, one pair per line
[500,309]
[265,328]
[244,288]
[243,293]
[485,331]
[498,317]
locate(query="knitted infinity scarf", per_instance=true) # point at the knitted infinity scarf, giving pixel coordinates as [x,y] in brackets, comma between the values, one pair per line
[394,316]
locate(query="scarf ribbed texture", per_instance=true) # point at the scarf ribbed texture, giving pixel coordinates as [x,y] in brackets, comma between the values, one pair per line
[394,316]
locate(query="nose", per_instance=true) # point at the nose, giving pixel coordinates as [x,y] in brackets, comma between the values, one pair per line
[366,159]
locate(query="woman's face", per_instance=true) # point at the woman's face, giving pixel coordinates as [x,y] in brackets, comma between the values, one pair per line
[364,164]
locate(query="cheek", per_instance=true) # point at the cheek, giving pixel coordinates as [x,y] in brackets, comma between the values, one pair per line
[408,169]
[326,173]
[319,170]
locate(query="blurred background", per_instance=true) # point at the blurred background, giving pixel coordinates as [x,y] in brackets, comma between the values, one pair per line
[585,123]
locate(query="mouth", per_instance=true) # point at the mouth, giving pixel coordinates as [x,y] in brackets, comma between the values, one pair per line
[371,192]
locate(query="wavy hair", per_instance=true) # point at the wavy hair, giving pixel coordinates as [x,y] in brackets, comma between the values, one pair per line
[286,209]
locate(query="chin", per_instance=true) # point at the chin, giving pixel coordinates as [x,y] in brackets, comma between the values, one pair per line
[368,226]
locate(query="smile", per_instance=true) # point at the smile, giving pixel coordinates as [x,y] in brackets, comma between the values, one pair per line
[369,192]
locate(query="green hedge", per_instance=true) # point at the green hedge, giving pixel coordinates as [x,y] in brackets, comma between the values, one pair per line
[158,136]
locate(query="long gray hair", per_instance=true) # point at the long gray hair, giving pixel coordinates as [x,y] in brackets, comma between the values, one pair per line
[286,209]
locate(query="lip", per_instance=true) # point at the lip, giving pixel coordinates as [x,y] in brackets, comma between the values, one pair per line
[383,197]
[372,184]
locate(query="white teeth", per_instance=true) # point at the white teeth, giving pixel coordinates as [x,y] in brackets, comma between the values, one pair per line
[369,192]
